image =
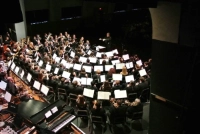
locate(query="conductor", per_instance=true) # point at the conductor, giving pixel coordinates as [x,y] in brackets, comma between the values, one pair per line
[107,41]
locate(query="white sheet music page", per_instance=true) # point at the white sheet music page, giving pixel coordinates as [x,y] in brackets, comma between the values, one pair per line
[7,96]
[77,66]
[22,74]
[16,69]
[88,69]
[48,67]
[37,58]
[89,80]
[57,59]
[89,52]
[13,66]
[72,54]
[77,79]
[88,92]
[66,74]
[103,78]
[119,65]
[129,78]
[108,67]
[129,65]
[36,85]
[120,94]
[109,54]
[139,62]
[83,59]
[115,61]
[142,72]
[101,95]
[29,76]
[83,81]
[115,51]
[3,85]
[93,59]
[98,54]
[56,70]
[54,56]
[117,76]
[98,67]
[125,56]
[44,90]
[40,63]
[63,61]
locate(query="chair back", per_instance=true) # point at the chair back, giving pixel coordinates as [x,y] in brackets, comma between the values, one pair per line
[137,115]
[119,119]
[132,96]
[145,94]
[96,119]
[82,113]
[62,93]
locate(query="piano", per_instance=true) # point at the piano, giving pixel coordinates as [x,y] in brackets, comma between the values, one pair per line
[50,118]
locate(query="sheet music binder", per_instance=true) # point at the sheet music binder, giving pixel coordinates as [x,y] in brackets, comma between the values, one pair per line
[88,92]
[119,94]
[102,95]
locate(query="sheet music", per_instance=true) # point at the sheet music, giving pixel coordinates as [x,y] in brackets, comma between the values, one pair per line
[139,62]
[57,59]
[100,60]
[72,54]
[77,66]
[109,54]
[93,59]
[98,54]
[9,63]
[88,69]
[36,85]
[7,96]
[89,52]
[101,95]
[103,78]
[48,114]
[40,63]
[86,81]
[120,94]
[142,72]
[29,76]
[108,67]
[63,62]
[54,56]
[44,90]
[125,56]
[56,70]
[129,65]
[88,92]
[77,79]
[98,67]
[54,109]
[3,85]
[119,65]
[83,59]
[13,66]
[16,69]
[48,67]
[22,74]
[37,58]
[129,78]
[66,74]
[69,65]
[117,77]
[115,61]
[100,47]
[115,51]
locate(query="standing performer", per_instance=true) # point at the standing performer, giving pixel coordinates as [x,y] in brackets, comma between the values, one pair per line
[107,41]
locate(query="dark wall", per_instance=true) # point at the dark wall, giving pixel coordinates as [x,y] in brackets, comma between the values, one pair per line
[173,77]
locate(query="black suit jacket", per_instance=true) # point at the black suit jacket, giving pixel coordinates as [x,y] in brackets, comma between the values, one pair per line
[99,112]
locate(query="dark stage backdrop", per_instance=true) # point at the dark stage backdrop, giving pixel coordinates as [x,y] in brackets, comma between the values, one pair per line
[11,11]
[174,69]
